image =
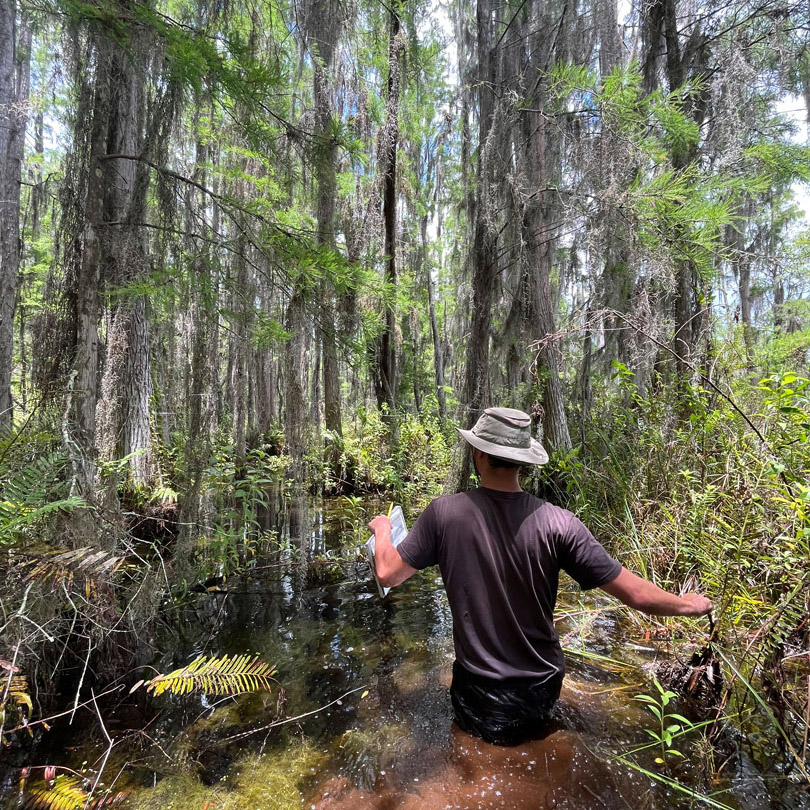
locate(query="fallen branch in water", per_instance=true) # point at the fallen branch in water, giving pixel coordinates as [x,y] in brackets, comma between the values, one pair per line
[286,720]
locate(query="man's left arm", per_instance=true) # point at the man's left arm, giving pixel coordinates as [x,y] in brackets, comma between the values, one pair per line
[392,570]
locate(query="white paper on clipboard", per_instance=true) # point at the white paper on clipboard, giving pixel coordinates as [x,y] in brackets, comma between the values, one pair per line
[399,531]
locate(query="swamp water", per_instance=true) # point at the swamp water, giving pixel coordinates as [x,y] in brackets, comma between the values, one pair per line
[365,682]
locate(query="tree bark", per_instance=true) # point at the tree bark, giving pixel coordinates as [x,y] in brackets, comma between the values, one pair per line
[15,50]
[295,377]
[438,358]
[79,425]
[385,378]
[123,410]
[540,167]
[477,393]
[326,27]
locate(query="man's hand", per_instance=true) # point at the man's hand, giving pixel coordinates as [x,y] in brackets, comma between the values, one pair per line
[699,605]
[380,522]
[391,568]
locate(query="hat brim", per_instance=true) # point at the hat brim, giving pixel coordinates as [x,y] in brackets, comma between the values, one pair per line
[534,454]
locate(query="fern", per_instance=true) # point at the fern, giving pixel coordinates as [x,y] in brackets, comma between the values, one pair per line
[65,566]
[32,493]
[64,793]
[215,676]
[14,687]
[18,693]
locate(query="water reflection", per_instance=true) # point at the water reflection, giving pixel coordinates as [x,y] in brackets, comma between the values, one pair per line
[382,668]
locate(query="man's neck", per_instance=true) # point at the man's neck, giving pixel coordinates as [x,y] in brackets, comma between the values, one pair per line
[502,480]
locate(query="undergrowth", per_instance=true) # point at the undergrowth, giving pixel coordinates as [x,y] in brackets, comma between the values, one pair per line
[718,502]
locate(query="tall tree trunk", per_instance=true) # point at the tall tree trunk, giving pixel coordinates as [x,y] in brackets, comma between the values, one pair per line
[79,424]
[15,57]
[541,165]
[539,257]
[438,358]
[662,37]
[295,384]
[124,428]
[326,28]
[477,393]
[386,370]
[238,378]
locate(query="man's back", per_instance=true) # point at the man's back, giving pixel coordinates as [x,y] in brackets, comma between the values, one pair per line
[499,554]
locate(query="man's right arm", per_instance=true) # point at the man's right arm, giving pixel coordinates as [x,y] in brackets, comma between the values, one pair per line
[641,594]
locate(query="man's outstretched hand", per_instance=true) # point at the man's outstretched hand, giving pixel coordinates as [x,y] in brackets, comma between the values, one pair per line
[699,605]
[643,595]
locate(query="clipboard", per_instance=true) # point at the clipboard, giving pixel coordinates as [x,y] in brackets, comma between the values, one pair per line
[399,531]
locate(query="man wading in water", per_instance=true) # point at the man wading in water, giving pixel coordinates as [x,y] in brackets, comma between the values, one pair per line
[500,551]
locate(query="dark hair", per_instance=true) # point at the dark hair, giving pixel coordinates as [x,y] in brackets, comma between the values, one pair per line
[502,463]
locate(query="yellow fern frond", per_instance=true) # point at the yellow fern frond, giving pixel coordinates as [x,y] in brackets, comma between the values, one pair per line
[216,676]
[64,793]
[18,692]
[13,687]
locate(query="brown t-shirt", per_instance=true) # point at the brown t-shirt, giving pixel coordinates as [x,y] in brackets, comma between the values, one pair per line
[500,554]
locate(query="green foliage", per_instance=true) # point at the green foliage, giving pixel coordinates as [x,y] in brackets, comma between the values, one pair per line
[414,471]
[240,494]
[670,724]
[709,499]
[33,494]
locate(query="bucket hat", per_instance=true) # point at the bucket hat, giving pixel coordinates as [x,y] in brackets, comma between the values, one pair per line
[506,433]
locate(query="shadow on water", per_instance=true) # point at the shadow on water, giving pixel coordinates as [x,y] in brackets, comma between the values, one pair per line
[365,681]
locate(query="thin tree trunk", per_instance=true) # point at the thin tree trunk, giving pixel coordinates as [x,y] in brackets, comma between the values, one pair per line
[295,378]
[325,173]
[438,359]
[386,376]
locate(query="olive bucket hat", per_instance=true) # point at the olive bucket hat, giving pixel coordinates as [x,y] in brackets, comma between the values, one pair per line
[506,433]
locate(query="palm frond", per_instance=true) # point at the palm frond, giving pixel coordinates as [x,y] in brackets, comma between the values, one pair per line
[216,676]
[63,793]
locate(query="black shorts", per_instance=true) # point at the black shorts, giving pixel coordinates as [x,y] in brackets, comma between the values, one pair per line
[503,712]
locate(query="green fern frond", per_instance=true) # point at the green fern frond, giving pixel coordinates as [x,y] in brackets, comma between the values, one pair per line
[33,492]
[64,793]
[216,676]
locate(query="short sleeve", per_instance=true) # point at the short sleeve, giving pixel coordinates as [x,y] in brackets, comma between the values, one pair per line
[420,548]
[584,559]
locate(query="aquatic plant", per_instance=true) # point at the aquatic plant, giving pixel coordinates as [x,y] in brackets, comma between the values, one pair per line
[670,724]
